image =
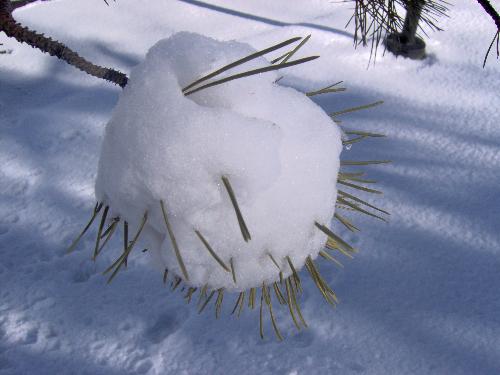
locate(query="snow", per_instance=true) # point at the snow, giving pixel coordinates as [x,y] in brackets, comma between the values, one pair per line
[272,143]
[420,297]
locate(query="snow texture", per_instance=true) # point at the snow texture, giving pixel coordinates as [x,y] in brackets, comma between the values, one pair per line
[420,297]
[279,150]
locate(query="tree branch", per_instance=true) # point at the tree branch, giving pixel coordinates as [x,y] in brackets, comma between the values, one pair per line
[21,3]
[54,48]
[488,8]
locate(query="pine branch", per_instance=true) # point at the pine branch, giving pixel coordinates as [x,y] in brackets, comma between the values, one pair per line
[488,8]
[21,3]
[54,48]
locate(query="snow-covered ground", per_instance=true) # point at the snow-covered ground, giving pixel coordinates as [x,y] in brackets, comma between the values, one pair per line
[421,297]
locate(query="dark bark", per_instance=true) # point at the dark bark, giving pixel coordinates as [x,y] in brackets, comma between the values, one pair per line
[54,48]
[413,13]
[19,4]
[488,8]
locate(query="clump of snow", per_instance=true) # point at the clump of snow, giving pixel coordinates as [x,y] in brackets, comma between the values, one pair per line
[279,150]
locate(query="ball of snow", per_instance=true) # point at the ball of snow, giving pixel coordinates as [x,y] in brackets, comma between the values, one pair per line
[277,148]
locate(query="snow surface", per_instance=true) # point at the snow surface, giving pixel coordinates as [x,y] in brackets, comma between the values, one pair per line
[272,143]
[421,297]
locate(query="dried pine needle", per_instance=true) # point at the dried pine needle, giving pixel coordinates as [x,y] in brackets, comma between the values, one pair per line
[189,294]
[261,323]
[267,298]
[336,238]
[99,232]
[325,290]
[279,295]
[251,73]
[176,283]
[243,227]
[108,233]
[218,302]
[327,256]
[274,261]
[114,221]
[364,134]
[327,89]
[233,273]
[174,241]
[165,276]
[97,209]
[358,108]
[241,61]
[363,162]
[296,277]
[356,199]
[203,294]
[345,222]
[358,187]
[121,260]
[206,302]
[239,302]
[289,291]
[212,252]
[290,54]
[251,298]
[355,207]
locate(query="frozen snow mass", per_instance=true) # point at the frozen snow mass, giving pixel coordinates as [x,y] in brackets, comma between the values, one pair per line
[227,183]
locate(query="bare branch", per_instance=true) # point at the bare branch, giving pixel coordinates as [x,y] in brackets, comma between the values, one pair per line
[54,48]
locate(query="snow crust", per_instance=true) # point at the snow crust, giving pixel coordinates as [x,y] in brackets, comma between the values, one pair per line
[279,150]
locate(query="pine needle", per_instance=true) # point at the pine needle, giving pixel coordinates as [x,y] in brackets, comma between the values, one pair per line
[345,222]
[239,302]
[327,89]
[203,294]
[356,199]
[296,277]
[358,108]
[189,294]
[355,207]
[206,302]
[336,238]
[290,54]
[289,291]
[251,298]
[296,304]
[218,302]
[261,324]
[241,61]
[176,283]
[279,295]
[251,73]
[358,187]
[274,261]
[174,241]
[243,227]
[327,256]
[121,260]
[325,290]
[267,298]
[99,232]
[364,134]
[364,162]
[233,273]
[97,208]
[165,276]
[108,233]
[212,252]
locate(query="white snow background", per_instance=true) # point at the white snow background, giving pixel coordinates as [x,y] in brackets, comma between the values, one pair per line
[421,297]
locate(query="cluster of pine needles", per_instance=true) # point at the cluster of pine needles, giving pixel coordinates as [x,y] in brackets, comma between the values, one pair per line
[286,290]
